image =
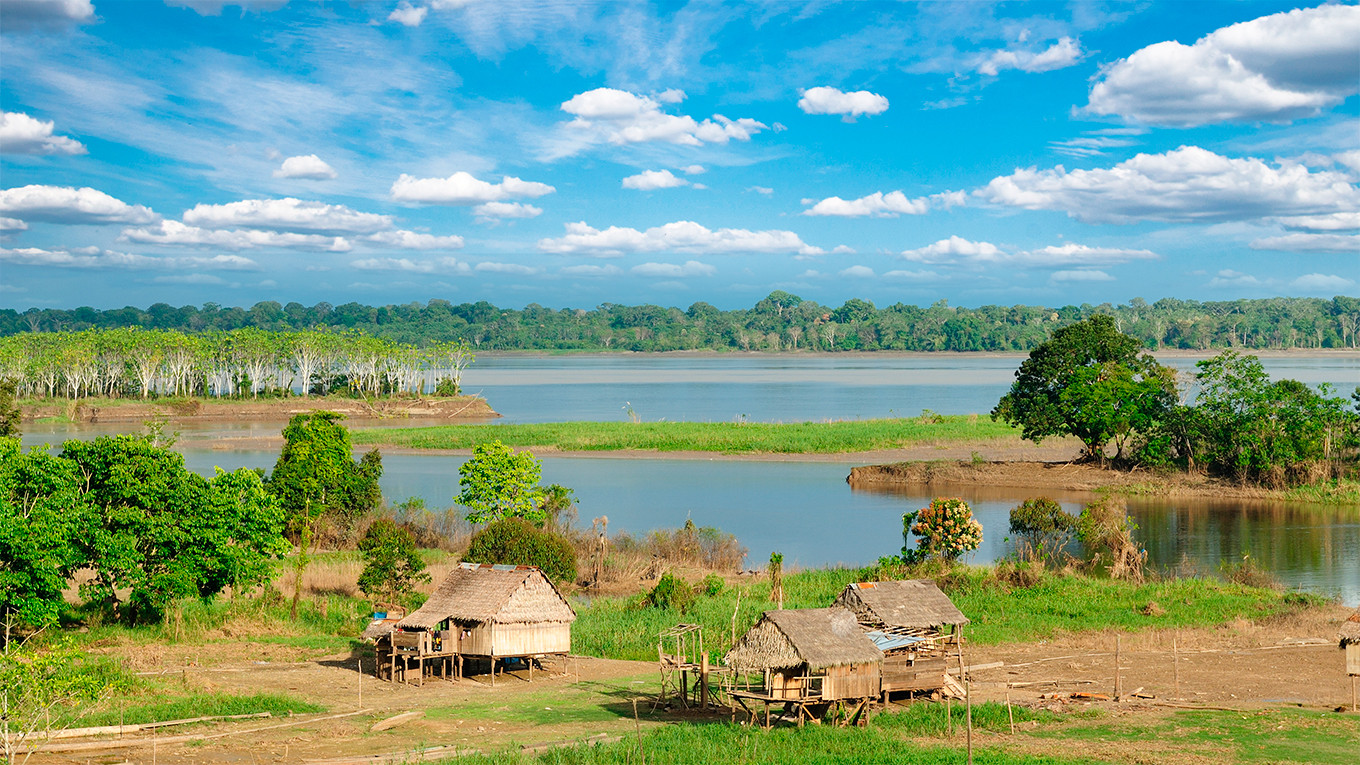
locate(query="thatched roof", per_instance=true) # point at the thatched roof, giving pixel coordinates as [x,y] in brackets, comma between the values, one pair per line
[1350,630]
[818,637]
[378,628]
[908,604]
[484,593]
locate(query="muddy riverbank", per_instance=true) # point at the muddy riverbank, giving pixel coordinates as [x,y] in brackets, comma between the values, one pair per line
[120,410]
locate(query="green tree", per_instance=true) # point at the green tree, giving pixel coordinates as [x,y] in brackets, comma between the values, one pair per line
[517,542]
[9,408]
[1088,381]
[392,566]
[34,684]
[316,478]
[1043,526]
[499,482]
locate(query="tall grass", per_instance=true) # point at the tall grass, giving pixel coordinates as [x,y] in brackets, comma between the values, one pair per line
[160,708]
[724,437]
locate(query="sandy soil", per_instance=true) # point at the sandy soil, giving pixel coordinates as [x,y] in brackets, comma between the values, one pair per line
[460,408]
[1249,666]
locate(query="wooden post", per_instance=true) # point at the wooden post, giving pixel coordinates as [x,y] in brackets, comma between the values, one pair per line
[361,682]
[1118,643]
[949,716]
[968,705]
[1176,669]
[703,682]
[1010,714]
[1353,679]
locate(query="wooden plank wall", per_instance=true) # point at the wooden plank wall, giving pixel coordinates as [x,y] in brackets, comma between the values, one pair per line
[531,639]
[902,674]
[851,681]
[1353,659]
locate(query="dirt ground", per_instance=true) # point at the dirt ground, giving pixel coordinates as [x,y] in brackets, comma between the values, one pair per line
[1244,665]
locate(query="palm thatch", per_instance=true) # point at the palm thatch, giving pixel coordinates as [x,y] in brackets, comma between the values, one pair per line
[1350,630]
[908,604]
[817,637]
[378,628]
[478,593]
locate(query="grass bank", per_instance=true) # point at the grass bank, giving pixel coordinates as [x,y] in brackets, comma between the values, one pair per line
[723,437]
[1005,607]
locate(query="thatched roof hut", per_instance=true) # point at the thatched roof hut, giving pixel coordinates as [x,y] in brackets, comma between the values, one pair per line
[476,593]
[817,637]
[911,604]
[1350,630]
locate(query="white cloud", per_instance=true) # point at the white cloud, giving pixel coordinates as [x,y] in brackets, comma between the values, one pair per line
[1081,276]
[1063,53]
[95,257]
[463,188]
[858,272]
[64,204]
[959,251]
[700,170]
[411,240]
[307,167]
[1230,278]
[174,233]
[44,14]
[680,236]
[490,211]
[287,214]
[1322,283]
[189,279]
[1088,146]
[407,14]
[766,190]
[955,249]
[10,225]
[888,205]
[1309,243]
[1187,184]
[506,268]
[437,265]
[1342,221]
[673,270]
[591,270]
[608,115]
[22,134]
[920,276]
[650,180]
[1272,69]
[1350,159]
[827,100]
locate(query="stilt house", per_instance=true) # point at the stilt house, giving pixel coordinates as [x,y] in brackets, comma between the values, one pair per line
[482,611]
[809,654]
[906,621]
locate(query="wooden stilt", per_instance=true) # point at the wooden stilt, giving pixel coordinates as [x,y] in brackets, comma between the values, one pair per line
[1176,669]
[1118,645]
[703,683]
[1009,713]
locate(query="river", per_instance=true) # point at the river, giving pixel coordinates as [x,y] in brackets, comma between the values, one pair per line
[805,509]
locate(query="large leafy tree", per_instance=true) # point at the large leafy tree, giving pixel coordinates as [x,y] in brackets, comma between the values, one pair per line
[9,408]
[392,565]
[499,482]
[1090,381]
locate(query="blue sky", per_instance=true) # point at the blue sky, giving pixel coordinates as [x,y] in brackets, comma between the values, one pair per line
[574,153]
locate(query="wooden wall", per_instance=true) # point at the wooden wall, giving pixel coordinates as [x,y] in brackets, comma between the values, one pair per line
[1353,659]
[900,673]
[531,639]
[852,681]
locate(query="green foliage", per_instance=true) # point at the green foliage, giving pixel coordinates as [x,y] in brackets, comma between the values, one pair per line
[712,586]
[672,593]
[392,566]
[1088,381]
[517,542]
[1106,531]
[43,513]
[1043,526]
[41,684]
[499,482]
[9,409]
[164,532]
[946,529]
[446,388]
[316,478]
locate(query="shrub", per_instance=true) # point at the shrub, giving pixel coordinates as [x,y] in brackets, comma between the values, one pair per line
[1249,574]
[1043,526]
[712,586]
[1106,531]
[446,388]
[517,542]
[946,529]
[392,567]
[671,592]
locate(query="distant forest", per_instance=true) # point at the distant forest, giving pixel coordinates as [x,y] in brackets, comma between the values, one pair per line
[780,322]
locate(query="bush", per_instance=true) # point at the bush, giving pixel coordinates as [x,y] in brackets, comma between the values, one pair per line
[946,528]
[671,592]
[1106,531]
[392,567]
[446,388]
[712,586]
[1043,526]
[517,542]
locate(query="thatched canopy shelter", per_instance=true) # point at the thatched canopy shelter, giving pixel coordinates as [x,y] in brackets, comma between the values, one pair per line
[816,637]
[1350,630]
[911,604]
[477,593]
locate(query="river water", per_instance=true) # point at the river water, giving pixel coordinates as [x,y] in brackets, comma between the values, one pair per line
[805,509]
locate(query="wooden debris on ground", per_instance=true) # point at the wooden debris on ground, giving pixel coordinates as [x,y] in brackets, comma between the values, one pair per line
[395,720]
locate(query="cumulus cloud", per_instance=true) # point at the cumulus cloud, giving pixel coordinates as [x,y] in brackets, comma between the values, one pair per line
[433,266]
[1342,221]
[307,167]
[590,270]
[650,180]
[464,189]
[1081,276]
[506,268]
[858,272]
[1322,283]
[95,257]
[680,236]
[493,211]
[919,276]
[407,14]
[609,115]
[700,169]
[170,232]
[287,214]
[1063,53]
[64,204]
[189,279]
[1230,278]
[1187,184]
[673,270]
[1272,69]
[827,100]
[44,14]
[1309,243]
[890,205]
[22,134]
[410,240]
[765,190]
[959,251]
[10,225]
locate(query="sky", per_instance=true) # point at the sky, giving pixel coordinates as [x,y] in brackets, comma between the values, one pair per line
[577,153]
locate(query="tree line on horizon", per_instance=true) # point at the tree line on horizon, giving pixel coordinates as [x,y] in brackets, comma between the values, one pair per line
[780,322]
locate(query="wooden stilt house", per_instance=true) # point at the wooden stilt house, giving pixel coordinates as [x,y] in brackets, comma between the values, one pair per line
[482,612]
[810,658]
[907,620]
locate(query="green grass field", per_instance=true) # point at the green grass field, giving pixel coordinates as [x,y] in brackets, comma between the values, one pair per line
[724,437]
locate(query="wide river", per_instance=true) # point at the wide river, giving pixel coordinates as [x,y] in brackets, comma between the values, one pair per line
[805,509]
